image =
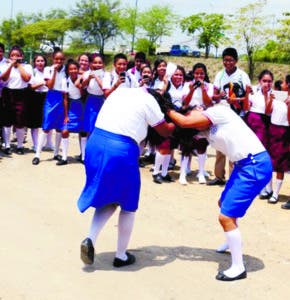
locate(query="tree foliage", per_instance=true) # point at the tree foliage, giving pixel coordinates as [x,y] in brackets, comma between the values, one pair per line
[156,22]
[98,20]
[210,29]
[251,30]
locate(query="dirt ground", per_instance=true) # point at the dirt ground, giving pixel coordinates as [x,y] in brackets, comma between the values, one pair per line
[174,239]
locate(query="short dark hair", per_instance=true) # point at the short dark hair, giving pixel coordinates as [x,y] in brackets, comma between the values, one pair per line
[120,56]
[140,55]
[2,47]
[230,52]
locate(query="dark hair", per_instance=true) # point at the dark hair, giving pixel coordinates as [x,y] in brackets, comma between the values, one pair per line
[56,50]
[157,62]
[140,55]
[146,66]
[16,47]
[120,56]
[278,85]
[230,52]
[84,54]
[265,72]
[92,56]
[203,67]
[287,78]
[70,61]
[2,47]
[39,55]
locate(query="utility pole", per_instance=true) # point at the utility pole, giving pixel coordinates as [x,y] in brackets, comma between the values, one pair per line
[134,29]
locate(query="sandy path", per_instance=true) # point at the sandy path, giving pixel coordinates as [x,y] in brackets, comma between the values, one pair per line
[174,238]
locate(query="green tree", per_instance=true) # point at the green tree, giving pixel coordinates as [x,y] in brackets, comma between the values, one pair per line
[251,30]
[156,22]
[98,20]
[209,27]
[283,37]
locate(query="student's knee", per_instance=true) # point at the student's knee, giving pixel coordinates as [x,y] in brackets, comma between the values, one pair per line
[228,223]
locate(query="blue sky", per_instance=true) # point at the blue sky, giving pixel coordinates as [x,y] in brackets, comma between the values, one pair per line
[180,7]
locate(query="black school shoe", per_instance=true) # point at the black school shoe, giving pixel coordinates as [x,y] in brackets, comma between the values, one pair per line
[87,251]
[167,178]
[223,277]
[216,181]
[35,161]
[118,263]
[286,205]
[266,195]
[61,162]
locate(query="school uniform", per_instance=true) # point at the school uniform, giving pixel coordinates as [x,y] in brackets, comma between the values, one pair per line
[114,145]
[279,137]
[2,86]
[252,164]
[221,81]
[111,78]
[53,114]
[15,97]
[136,73]
[256,118]
[75,107]
[36,100]
[94,100]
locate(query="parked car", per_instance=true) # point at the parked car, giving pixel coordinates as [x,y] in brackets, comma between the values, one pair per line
[183,50]
[179,50]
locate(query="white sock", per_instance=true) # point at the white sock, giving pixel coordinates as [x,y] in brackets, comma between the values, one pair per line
[41,140]
[158,162]
[99,220]
[83,147]
[234,241]
[201,158]
[277,187]
[57,142]
[165,164]
[6,136]
[125,227]
[34,136]
[64,146]
[20,132]
[269,188]
[225,246]
[49,139]
[183,167]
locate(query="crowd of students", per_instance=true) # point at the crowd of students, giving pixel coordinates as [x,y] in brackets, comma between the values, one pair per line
[67,96]
[240,120]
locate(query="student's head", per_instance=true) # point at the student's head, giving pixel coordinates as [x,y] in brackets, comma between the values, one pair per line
[278,85]
[140,58]
[39,62]
[120,63]
[58,58]
[199,72]
[16,53]
[178,76]
[83,61]
[96,61]
[230,59]
[147,71]
[72,69]
[266,78]
[2,50]
[160,66]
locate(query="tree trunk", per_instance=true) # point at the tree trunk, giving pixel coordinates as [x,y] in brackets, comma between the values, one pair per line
[251,65]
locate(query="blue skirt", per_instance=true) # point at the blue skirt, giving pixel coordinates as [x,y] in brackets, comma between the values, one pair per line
[249,177]
[53,111]
[75,115]
[93,105]
[112,172]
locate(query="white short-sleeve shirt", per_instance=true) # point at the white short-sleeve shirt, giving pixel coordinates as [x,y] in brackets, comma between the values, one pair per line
[257,101]
[69,87]
[197,98]
[37,78]
[279,113]
[93,86]
[48,72]
[111,78]
[230,135]
[177,94]
[128,112]
[15,80]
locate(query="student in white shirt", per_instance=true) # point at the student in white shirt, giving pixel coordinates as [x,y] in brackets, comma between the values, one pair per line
[16,74]
[113,146]
[228,133]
